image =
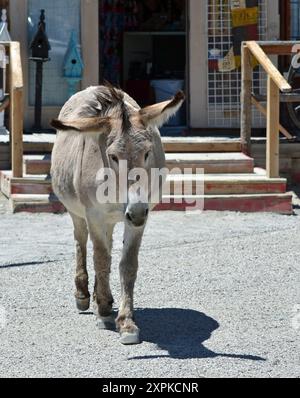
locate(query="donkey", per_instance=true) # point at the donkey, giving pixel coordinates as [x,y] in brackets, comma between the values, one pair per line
[101,128]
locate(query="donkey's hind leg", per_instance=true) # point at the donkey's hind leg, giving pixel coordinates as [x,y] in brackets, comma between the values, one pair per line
[82,294]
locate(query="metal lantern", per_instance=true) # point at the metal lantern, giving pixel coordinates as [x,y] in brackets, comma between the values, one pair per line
[40,48]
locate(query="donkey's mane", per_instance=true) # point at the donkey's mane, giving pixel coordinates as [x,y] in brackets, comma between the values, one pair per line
[99,101]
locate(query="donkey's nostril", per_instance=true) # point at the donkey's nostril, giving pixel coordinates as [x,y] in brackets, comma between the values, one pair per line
[146,212]
[128,216]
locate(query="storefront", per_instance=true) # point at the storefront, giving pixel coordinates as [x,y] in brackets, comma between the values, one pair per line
[151,48]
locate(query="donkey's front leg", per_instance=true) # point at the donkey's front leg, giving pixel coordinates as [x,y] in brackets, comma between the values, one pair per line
[128,272]
[101,236]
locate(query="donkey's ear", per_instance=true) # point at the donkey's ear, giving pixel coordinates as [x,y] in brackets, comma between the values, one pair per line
[157,115]
[84,125]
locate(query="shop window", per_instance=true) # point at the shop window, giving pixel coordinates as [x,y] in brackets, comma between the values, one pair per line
[143,48]
[62,17]
[295,19]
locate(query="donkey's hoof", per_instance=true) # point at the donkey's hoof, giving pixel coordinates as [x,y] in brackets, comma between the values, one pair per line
[106,323]
[82,304]
[132,338]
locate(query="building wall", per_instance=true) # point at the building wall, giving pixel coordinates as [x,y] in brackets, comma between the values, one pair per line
[197,54]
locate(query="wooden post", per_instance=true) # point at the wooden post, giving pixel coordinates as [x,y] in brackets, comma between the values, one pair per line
[246,105]
[16,115]
[16,109]
[273,121]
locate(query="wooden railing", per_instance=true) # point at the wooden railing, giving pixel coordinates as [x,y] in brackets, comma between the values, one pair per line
[278,89]
[16,108]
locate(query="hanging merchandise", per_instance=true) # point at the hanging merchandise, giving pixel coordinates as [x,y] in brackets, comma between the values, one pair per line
[116,16]
[245,19]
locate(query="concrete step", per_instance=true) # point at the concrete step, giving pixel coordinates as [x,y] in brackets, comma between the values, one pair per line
[271,203]
[212,163]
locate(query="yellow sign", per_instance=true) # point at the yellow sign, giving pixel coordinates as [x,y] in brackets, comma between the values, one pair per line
[244,16]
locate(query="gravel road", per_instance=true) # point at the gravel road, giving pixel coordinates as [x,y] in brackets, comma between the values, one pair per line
[217,296]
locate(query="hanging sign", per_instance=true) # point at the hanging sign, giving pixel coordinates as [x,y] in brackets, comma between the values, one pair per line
[245,19]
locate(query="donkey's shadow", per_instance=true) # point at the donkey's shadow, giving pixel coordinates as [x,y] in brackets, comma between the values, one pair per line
[181,333]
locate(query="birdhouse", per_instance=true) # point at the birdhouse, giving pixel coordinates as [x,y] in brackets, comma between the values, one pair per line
[40,46]
[73,64]
[4,33]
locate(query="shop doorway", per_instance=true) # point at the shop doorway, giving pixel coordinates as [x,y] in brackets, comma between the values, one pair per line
[144,50]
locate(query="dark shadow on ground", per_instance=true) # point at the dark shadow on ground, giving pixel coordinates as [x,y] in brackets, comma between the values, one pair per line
[16,265]
[181,333]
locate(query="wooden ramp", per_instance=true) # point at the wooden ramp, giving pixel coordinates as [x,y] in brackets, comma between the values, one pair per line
[228,177]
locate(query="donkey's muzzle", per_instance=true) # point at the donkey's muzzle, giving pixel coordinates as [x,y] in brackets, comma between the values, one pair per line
[137,214]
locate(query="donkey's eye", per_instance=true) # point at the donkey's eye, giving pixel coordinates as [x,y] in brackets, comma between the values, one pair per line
[147,156]
[115,159]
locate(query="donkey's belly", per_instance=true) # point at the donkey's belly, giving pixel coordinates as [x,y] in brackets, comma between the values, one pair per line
[112,214]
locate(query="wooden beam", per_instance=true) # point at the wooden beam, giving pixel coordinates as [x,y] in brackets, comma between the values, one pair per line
[262,109]
[16,123]
[278,49]
[273,130]
[246,111]
[16,65]
[16,109]
[90,42]
[286,98]
[269,67]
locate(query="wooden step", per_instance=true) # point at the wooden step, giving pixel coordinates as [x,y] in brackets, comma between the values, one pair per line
[37,147]
[37,164]
[211,163]
[36,204]
[43,144]
[280,203]
[200,144]
[271,203]
[30,185]
[222,184]
[38,143]
[212,184]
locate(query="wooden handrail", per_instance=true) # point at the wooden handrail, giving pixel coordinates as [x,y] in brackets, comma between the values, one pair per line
[15,66]
[269,67]
[276,84]
[16,107]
